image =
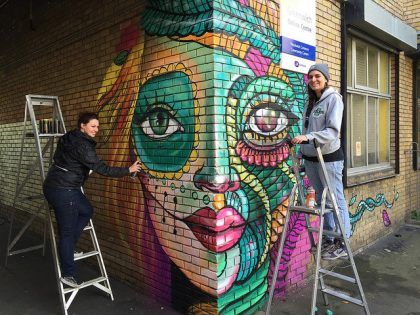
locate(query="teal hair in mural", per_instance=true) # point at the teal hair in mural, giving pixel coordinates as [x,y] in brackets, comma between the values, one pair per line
[233,18]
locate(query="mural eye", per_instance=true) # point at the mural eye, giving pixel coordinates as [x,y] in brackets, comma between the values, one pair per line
[160,124]
[267,121]
[268,124]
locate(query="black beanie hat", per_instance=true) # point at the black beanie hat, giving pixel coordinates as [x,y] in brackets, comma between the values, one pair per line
[321,67]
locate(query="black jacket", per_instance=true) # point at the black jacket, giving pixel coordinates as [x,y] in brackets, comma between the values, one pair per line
[74,157]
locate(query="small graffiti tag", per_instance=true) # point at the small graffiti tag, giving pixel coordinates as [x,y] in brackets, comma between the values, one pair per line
[371,204]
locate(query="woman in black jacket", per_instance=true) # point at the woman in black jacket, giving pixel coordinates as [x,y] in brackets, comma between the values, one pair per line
[74,158]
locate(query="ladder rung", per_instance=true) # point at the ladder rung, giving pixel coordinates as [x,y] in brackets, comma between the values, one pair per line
[326,232]
[86,255]
[337,275]
[85,284]
[43,135]
[343,296]
[43,102]
[328,210]
[313,211]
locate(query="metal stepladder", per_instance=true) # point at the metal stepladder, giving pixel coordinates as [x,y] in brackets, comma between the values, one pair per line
[49,130]
[297,205]
[43,157]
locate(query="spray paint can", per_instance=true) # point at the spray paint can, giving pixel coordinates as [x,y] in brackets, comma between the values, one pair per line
[40,126]
[310,197]
[50,126]
[46,125]
[56,126]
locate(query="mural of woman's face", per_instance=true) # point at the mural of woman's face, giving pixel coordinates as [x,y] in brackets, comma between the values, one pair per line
[210,136]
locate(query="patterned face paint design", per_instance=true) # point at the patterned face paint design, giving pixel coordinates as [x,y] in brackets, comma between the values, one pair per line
[265,118]
[163,124]
[215,167]
[209,123]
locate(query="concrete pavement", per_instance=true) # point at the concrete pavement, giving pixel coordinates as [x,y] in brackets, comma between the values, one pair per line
[28,287]
[389,271]
[390,274]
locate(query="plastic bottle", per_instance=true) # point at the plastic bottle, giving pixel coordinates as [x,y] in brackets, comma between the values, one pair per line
[310,197]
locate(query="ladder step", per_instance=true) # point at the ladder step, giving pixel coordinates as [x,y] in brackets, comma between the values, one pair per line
[326,210]
[43,135]
[326,232]
[342,296]
[42,100]
[86,255]
[313,211]
[85,284]
[337,275]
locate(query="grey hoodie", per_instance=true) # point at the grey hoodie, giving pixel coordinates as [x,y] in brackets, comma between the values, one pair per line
[324,123]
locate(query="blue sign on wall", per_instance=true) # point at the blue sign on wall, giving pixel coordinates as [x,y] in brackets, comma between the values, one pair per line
[297,48]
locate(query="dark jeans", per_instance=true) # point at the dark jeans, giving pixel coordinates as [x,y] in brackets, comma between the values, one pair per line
[72,212]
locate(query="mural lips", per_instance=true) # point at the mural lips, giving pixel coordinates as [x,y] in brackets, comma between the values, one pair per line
[219,231]
[269,157]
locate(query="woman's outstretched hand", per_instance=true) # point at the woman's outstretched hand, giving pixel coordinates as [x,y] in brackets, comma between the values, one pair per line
[135,167]
[299,139]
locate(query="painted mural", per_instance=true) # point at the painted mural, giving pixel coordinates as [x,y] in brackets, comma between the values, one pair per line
[370,204]
[196,93]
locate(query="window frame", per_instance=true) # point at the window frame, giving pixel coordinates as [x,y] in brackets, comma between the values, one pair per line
[353,88]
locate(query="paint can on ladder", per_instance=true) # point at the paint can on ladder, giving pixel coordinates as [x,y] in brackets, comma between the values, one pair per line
[310,197]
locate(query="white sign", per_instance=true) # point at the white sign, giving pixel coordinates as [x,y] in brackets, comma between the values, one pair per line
[358,148]
[298,34]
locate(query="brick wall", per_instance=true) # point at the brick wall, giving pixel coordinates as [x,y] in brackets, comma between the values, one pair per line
[329,38]
[412,13]
[394,7]
[99,57]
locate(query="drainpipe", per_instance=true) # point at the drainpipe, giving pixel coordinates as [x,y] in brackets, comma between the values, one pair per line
[343,83]
[397,113]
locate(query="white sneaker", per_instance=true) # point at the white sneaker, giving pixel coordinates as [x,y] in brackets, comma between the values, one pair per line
[71,282]
[335,253]
[327,245]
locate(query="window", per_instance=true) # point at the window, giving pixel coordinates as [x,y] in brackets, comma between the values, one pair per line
[369,105]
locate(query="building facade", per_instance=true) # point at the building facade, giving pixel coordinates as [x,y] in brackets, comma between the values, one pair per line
[195,90]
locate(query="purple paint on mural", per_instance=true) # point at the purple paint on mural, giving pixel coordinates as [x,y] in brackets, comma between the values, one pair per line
[297,225]
[385,218]
[257,62]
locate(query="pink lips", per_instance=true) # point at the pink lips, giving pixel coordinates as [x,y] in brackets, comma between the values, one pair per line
[216,231]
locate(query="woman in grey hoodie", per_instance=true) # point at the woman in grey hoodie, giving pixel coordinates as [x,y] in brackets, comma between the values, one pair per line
[322,123]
